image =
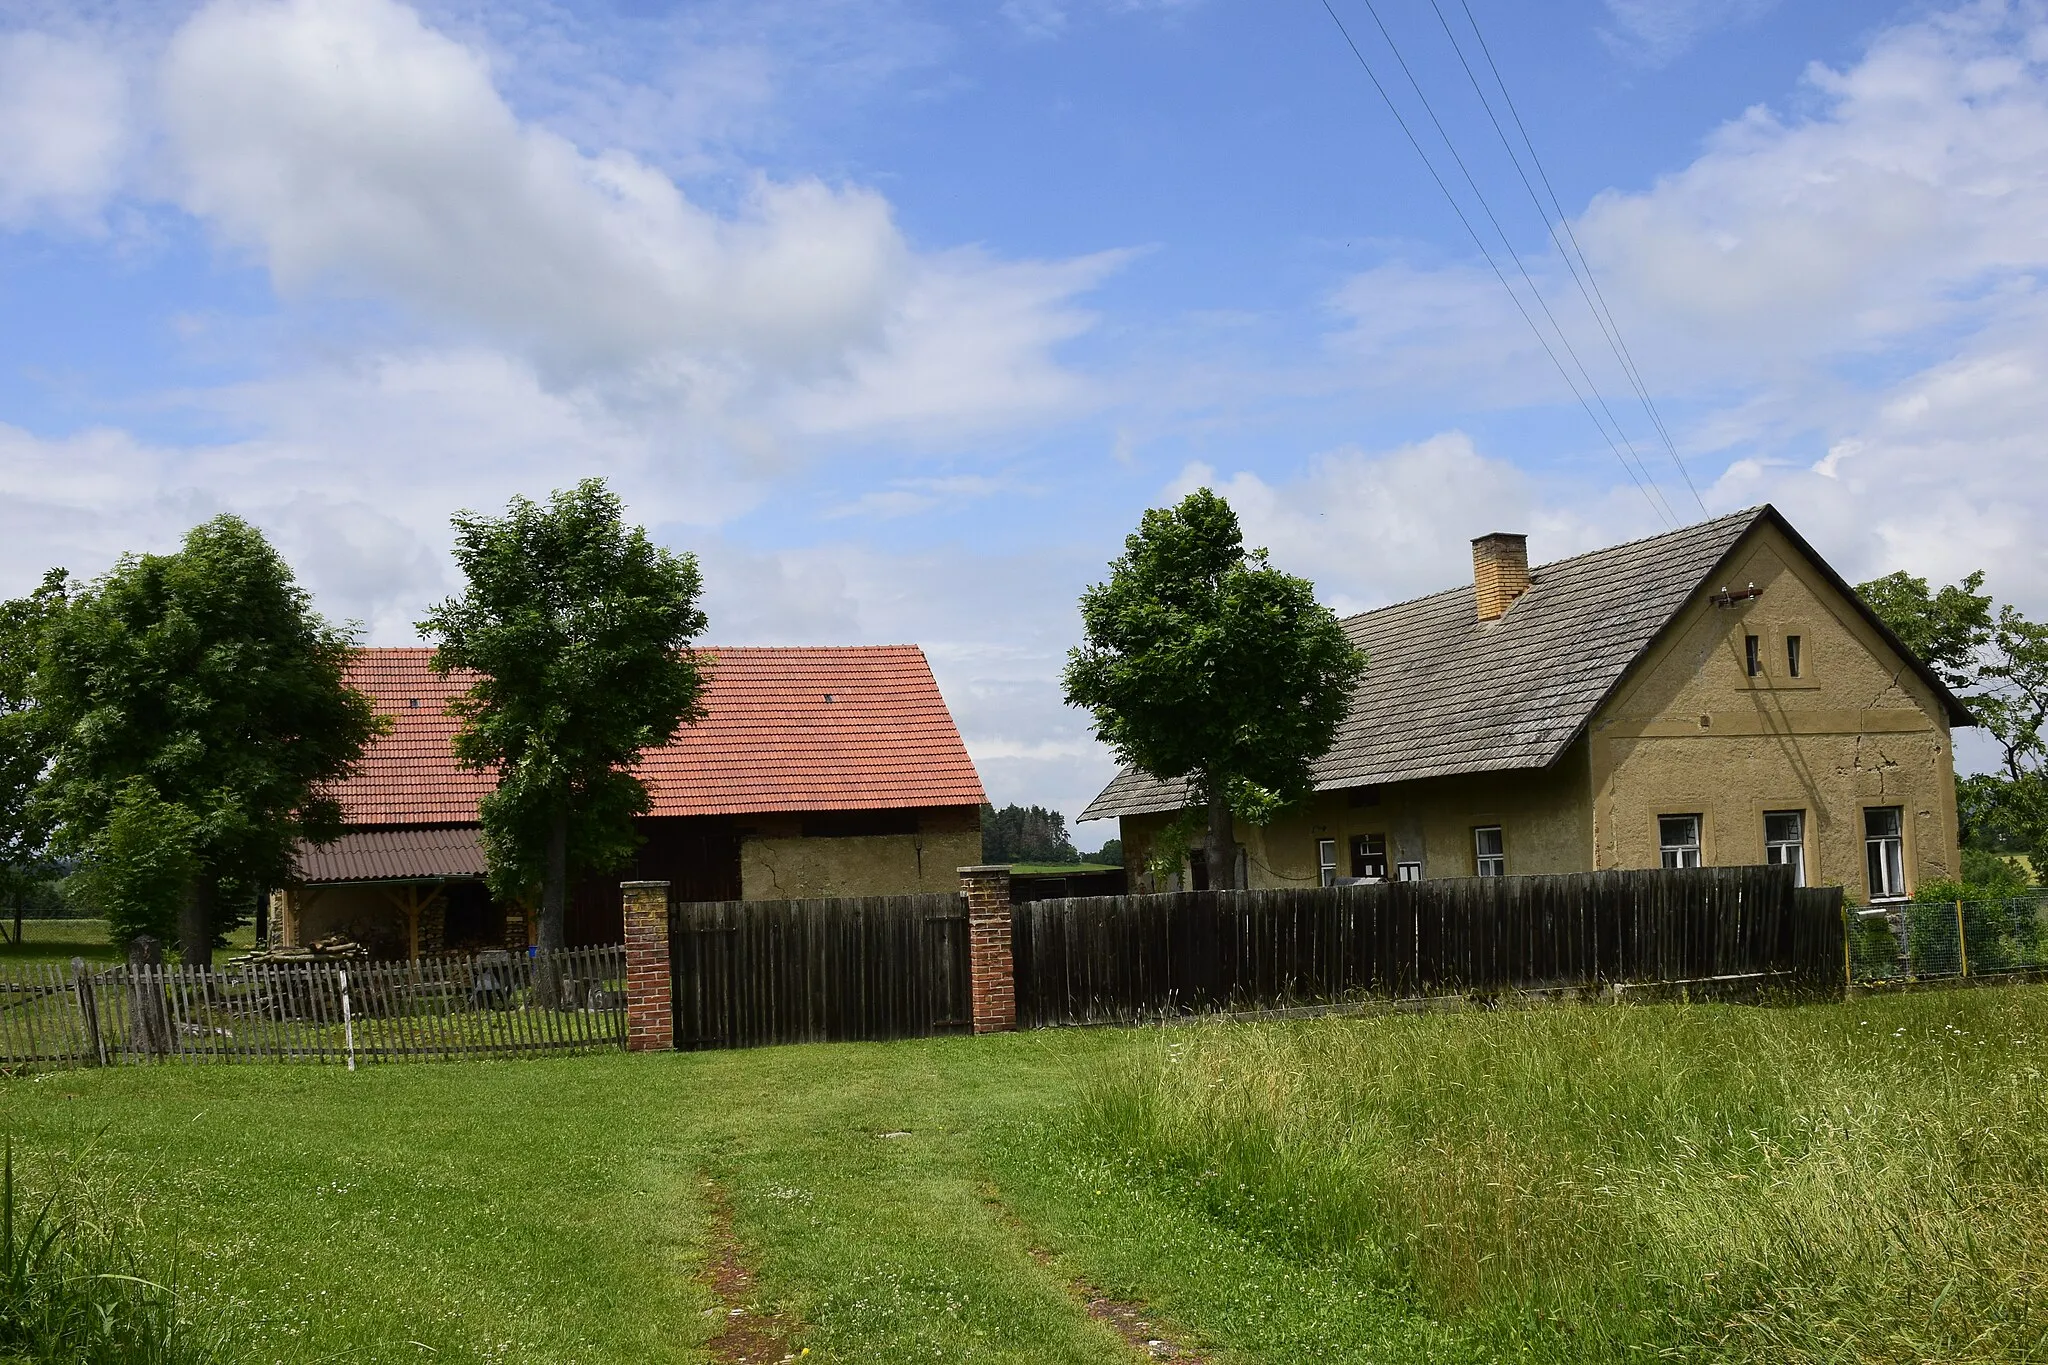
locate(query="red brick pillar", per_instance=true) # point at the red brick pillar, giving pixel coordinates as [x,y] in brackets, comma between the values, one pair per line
[650,1011]
[989,965]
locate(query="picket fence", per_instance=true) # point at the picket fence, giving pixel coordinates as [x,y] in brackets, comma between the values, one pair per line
[491,1005]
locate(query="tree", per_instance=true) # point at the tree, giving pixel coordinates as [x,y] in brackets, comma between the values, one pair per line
[195,708]
[1998,665]
[1025,834]
[578,631]
[25,869]
[1944,629]
[1111,854]
[1203,663]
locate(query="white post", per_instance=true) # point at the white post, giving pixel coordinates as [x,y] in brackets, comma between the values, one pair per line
[348,1027]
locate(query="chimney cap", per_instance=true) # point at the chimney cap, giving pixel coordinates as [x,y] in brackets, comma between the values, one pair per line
[1513,537]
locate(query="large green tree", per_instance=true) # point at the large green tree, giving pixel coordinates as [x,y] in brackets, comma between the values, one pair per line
[578,631]
[1996,660]
[1203,663]
[195,708]
[1025,834]
[25,869]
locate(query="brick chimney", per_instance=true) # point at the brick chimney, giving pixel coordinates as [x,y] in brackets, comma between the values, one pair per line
[1500,572]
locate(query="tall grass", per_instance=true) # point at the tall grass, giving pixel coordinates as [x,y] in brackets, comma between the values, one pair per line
[1857,1182]
[74,1291]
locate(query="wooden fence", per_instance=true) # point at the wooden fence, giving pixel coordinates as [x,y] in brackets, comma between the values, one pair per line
[754,972]
[492,1005]
[1111,958]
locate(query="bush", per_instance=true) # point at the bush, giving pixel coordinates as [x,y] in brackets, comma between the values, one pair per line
[73,1290]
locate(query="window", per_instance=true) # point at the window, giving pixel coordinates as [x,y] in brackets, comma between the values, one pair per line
[1326,862]
[1785,841]
[1369,857]
[1407,872]
[1792,659]
[1678,838]
[1489,851]
[1884,851]
[1753,655]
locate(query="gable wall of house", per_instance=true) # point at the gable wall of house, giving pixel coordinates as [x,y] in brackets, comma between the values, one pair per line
[1691,732]
[780,860]
[1545,818]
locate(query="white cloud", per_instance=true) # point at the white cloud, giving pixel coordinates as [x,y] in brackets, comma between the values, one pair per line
[1655,31]
[1373,528]
[63,129]
[357,149]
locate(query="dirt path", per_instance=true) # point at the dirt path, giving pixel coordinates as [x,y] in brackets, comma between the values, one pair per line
[748,1336]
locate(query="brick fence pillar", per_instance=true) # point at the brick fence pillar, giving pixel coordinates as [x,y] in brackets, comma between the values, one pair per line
[989,965]
[650,1010]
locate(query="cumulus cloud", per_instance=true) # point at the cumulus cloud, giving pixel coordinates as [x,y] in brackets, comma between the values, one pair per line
[63,129]
[1377,527]
[355,148]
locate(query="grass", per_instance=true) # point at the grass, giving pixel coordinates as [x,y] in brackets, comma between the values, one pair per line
[60,940]
[1865,1182]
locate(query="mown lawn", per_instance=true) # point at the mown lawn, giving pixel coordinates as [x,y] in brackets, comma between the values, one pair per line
[60,940]
[1858,1182]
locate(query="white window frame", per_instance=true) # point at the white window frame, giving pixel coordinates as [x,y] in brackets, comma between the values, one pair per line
[1326,862]
[1884,855]
[1795,656]
[1787,852]
[1753,655]
[1407,872]
[1489,862]
[1680,852]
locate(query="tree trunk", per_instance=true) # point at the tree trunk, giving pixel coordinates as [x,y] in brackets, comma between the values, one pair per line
[1220,848]
[195,924]
[554,913]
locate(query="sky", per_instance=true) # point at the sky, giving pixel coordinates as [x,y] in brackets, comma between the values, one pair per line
[898,314]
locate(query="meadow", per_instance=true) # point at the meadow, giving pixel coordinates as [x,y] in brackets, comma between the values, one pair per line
[1857,1182]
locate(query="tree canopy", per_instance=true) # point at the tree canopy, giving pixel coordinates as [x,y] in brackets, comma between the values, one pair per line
[1997,664]
[25,869]
[193,706]
[1201,662]
[1025,834]
[578,630]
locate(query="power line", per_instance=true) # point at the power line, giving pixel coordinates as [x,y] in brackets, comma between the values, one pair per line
[1596,301]
[1637,472]
[1508,245]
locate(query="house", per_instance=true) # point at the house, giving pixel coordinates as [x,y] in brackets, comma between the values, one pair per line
[816,772]
[1715,695]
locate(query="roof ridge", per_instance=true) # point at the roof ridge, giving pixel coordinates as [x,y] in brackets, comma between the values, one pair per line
[1751,513]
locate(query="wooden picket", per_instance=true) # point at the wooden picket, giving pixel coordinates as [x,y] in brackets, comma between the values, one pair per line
[1120,958]
[493,1005]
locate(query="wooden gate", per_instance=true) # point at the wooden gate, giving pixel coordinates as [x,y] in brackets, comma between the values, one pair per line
[748,973]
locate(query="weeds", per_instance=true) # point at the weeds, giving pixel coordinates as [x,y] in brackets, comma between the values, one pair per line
[1710,1183]
[73,1291]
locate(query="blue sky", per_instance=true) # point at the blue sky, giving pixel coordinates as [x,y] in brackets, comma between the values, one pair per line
[898,314]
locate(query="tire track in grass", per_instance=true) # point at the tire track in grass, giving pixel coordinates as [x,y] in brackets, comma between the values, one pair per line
[1130,1319]
[748,1335]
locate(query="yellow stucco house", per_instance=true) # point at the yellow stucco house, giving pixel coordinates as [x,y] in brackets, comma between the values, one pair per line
[1716,695]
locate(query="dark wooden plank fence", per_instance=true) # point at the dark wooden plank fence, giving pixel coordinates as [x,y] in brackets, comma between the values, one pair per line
[337,1012]
[1109,959]
[857,967]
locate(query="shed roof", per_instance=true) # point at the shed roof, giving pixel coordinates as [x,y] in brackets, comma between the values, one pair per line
[813,728]
[1446,693]
[377,855]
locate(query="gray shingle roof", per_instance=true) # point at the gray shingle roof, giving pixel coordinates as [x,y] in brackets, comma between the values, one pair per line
[1445,693]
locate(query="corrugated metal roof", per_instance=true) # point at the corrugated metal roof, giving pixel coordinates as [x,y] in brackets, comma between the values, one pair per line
[376,855]
[1445,693]
[814,728]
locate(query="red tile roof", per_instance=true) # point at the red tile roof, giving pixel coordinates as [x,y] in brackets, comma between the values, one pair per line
[846,728]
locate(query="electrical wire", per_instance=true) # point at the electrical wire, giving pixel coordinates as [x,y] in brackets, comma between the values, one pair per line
[1568,247]
[1637,472]
[1508,245]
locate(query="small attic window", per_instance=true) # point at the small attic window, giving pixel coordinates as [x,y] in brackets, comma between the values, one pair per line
[412,701]
[830,697]
[1753,655]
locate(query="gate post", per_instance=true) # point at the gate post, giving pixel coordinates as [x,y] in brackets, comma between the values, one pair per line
[990,969]
[650,997]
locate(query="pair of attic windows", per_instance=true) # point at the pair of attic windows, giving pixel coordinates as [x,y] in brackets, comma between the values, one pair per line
[1753,655]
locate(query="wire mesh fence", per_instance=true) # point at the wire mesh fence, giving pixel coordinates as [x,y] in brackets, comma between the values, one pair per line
[1934,940]
[492,1005]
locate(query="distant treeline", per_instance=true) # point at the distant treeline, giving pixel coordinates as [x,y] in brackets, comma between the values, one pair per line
[1033,834]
